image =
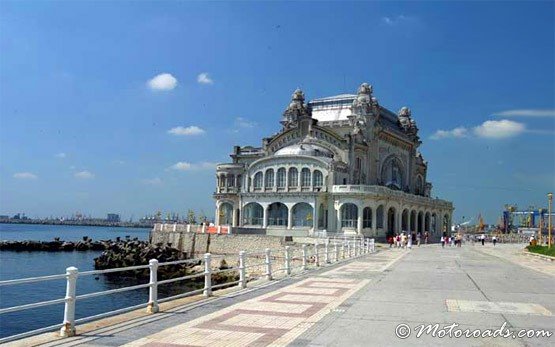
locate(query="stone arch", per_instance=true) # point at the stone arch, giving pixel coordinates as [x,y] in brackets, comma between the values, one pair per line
[393,173]
[405,220]
[420,224]
[277,214]
[225,213]
[391,221]
[413,220]
[253,214]
[380,217]
[303,215]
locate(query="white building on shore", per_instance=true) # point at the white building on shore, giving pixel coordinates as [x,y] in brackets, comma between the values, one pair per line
[341,164]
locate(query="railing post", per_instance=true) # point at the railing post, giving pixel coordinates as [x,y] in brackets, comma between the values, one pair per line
[203,228]
[207,275]
[287,260]
[336,252]
[343,250]
[219,229]
[188,228]
[327,251]
[373,245]
[152,306]
[242,270]
[304,257]
[348,248]
[68,329]
[316,254]
[268,262]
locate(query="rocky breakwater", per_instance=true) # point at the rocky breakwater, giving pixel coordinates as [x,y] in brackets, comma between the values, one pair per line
[86,244]
[134,253]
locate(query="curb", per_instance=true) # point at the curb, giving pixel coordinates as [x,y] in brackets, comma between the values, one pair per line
[544,257]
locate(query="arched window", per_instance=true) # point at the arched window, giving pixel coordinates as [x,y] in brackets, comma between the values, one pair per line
[302,215]
[253,213]
[367,217]
[226,213]
[258,180]
[349,215]
[222,180]
[239,179]
[269,178]
[281,178]
[305,177]
[293,177]
[231,180]
[318,178]
[277,214]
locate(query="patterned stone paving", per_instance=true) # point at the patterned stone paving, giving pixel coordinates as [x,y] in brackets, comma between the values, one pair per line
[514,253]
[276,318]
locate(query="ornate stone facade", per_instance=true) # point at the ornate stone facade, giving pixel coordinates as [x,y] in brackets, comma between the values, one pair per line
[340,164]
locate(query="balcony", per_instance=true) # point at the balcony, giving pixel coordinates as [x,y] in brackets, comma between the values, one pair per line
[387,192]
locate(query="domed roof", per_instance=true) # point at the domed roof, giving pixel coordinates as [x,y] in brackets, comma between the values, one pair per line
[305,149]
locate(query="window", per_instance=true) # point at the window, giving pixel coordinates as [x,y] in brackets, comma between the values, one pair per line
[318,178]
[239,178]
[230,180]
[293,177]
[305,177]
[258,180]
[269,178]
[349,215]
[281,178]
[367,217]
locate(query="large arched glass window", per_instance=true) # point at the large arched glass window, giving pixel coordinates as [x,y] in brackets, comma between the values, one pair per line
[253,214]
[367,217]
[302,215]
[349,215]
[269,178]
[318,178]
[293,177]
[305,177]
[281,178]
[258,180]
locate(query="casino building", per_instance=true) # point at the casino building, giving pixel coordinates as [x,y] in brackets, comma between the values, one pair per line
[342,164]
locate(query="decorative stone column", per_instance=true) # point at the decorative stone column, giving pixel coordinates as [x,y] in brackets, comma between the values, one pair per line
[265,217]
[374,220]
[290,217]
[359,220]
[338,226]
[315,216]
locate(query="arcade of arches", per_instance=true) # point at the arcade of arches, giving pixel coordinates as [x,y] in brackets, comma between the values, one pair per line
[373,219]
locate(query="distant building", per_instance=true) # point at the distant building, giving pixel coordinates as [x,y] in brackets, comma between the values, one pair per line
[341,163]
[113,217]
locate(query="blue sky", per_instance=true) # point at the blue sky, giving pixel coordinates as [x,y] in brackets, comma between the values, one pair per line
[85,126]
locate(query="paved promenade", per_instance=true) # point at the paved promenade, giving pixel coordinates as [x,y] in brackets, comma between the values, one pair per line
[361,302]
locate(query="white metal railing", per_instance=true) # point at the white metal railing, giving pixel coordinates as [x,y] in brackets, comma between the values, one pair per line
[331,250]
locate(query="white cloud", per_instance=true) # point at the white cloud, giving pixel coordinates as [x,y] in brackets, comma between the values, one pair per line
[498,129]
[526,113]
[84,175]
[164,81]
[400,19]
[186,131]
[204,78]
[61,155]
[25,176]
[152,181]
[184,166]
[241,122]
[458,132]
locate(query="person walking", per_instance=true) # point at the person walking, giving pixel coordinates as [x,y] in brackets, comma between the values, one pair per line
[483,239]
[426,235]
[494,240]
[409,242]
[418,237]
[443,242]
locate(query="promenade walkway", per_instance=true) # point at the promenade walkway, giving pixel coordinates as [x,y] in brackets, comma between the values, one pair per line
[360,303]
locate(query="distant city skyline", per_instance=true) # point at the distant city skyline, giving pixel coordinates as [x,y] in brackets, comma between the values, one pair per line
[126,107]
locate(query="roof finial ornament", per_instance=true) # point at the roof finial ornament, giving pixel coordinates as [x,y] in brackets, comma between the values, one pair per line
[362,105]
[295,110]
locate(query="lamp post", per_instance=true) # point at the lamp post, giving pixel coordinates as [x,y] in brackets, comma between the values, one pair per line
[540,236]
[550,196]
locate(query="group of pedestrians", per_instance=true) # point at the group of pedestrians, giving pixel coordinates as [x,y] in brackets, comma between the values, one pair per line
[452,241]
[405,240]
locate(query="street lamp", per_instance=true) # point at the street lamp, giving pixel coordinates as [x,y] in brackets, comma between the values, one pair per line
[550,197]
[540,236]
